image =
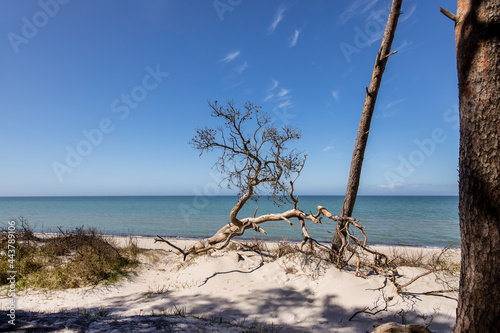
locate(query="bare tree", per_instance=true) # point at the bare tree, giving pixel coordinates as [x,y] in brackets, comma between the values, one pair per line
[477,26]
[341,233]
[254,157]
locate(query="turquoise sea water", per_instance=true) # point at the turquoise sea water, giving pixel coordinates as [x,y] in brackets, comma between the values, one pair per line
[394,220]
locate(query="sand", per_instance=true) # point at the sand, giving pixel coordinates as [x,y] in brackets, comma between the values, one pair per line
[219,293]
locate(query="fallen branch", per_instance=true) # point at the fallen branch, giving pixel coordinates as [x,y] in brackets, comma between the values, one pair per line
[399,287]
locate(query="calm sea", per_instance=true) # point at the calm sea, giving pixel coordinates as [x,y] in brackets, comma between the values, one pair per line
[393,220]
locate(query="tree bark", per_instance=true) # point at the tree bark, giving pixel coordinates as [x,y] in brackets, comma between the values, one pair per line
[477,34]
[364,124]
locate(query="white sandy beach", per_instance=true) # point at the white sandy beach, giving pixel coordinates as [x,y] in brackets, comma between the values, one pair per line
[288,293]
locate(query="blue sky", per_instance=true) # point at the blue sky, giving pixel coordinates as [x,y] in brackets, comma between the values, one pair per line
[102,97]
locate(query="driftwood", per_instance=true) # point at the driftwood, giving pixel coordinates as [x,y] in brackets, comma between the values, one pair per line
[261,159]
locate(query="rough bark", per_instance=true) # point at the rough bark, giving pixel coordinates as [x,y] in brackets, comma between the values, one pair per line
[364,124]
[477,33]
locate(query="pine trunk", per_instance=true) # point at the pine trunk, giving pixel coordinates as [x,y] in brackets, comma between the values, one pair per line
[477,35]
[364,124]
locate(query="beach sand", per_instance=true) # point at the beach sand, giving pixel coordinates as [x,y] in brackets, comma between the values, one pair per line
[219,293]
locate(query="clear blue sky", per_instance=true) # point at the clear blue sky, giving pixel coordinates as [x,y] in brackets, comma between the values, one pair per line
[123,85]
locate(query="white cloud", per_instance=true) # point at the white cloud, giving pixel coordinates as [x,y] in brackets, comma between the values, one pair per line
[390,114]
[376,37]
[391,104]
[285,104]
[241,68]
[327,148]
[270,93]
[279,95]
[357,7]
[407,14]
[403,45]
[391,186]
[236,85]
[231,56]
[294,38]
[283,92]
[335,95]
[274,86]
[277,19]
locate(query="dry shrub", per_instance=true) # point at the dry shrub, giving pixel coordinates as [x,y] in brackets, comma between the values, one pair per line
[442,265]
[414,258]
[284,248]
[69,259]
[442,261]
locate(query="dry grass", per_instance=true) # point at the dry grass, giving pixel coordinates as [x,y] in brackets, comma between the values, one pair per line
[442,261]
[444,265]
[68,259]
[285,248]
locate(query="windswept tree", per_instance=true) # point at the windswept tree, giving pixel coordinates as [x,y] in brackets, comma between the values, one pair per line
[257,158]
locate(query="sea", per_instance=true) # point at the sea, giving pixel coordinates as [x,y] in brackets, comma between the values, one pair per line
[430,221]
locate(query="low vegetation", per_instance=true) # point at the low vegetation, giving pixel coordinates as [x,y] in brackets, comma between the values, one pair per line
[68,259]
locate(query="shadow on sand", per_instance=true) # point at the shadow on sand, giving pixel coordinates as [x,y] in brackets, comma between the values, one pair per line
[168,312]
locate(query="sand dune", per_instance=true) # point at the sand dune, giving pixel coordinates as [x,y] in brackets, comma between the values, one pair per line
[294,294]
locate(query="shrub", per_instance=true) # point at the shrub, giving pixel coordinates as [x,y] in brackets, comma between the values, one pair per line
[68,259]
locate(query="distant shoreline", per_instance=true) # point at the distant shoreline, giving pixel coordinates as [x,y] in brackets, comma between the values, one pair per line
[215,196]
[389,220]
[249,239]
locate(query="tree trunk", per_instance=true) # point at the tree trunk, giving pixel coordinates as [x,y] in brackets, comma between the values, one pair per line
[364,124]
[477,35]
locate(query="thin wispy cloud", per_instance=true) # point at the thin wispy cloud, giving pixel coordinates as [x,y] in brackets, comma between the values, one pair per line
[284,104]
[357,7]
[231,56]
[391,104]
[270,93]
[275,84]
[277,19]
[335,95]
[408,13]
[391,186]
[390,114]
[279,95]
[376,37]
[294,38]
[327,148]
[241,68]
[237,84]
[283,92]
[402,46]
[268,97]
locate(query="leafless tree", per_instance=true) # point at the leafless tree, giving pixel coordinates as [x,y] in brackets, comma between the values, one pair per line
[341,233]
[255,157]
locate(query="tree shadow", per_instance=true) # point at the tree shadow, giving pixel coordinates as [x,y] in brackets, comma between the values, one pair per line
[281,309]
[231,271]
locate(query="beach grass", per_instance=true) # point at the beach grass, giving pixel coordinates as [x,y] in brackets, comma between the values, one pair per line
[67,259]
